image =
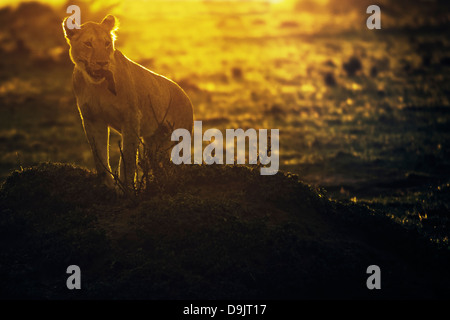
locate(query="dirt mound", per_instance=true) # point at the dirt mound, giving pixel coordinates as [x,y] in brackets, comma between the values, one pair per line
[225,233]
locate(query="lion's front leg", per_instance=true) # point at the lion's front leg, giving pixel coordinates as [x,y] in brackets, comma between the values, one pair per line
[97,134]
[130,143]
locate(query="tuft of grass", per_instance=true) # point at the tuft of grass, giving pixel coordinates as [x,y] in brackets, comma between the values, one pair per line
[352,66]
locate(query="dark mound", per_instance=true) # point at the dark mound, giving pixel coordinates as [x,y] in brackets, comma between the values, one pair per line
[225,233]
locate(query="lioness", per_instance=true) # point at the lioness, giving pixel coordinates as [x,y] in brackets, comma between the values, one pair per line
[114,92]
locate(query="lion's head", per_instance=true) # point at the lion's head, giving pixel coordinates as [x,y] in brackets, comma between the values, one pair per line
[92,47]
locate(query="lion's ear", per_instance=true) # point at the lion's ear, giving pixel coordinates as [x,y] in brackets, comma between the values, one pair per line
[110,23]
[68,33]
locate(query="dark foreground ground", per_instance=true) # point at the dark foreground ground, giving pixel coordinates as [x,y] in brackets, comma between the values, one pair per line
[218,232]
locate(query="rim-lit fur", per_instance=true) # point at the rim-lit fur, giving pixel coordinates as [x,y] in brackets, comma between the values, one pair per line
[112,91]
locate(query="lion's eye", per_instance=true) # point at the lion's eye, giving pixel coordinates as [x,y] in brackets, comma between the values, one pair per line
[88,44]
[107,44]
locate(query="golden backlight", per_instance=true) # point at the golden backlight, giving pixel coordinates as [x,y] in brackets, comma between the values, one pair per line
[309,68]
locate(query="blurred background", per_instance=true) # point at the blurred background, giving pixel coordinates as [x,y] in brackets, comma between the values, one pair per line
[365,114]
